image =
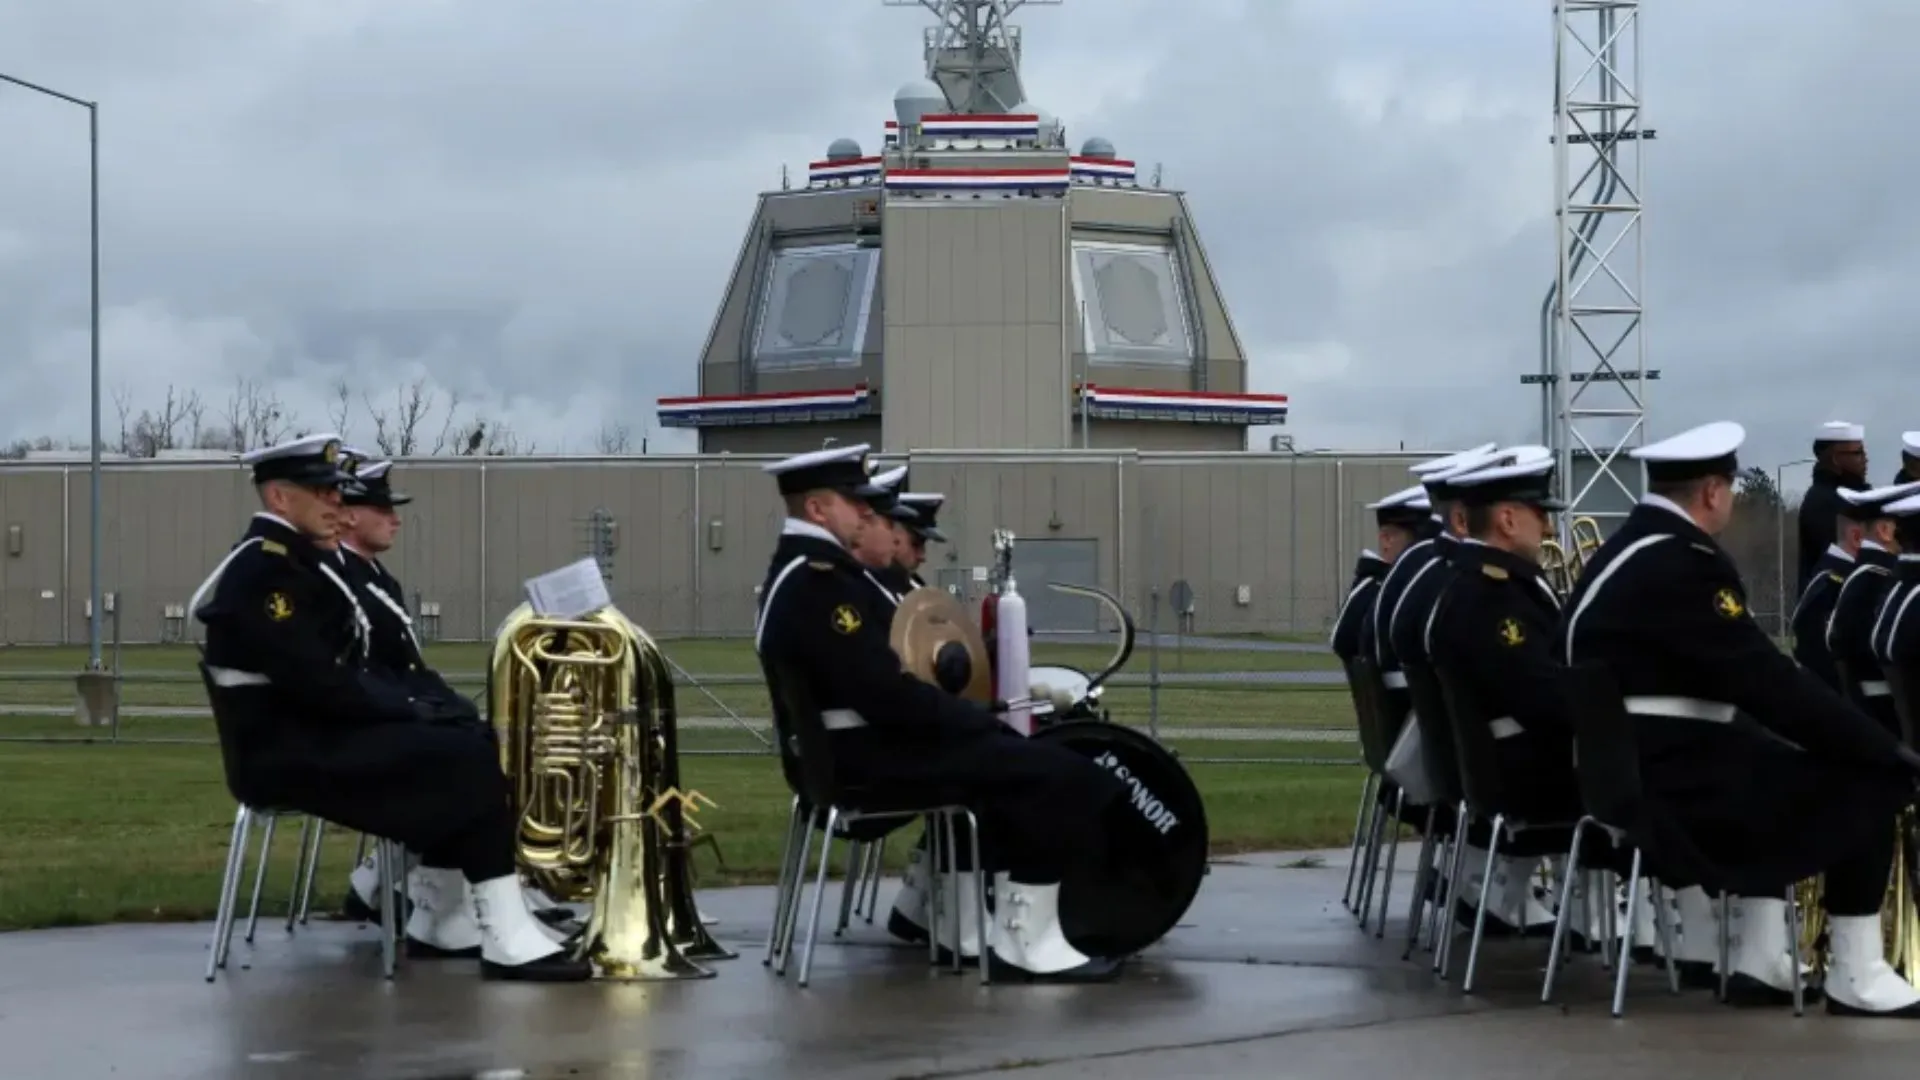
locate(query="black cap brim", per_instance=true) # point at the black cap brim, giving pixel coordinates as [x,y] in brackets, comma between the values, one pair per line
[929,532]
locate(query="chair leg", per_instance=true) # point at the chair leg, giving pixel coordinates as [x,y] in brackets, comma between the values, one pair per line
[391,932]
[1624,955]
[1568,876]
[299,870]
[312,868]
[260,876]
[874,873]
[1423,881]
[1443,930]
[1793,944]
[1725,943]
[1370,869]
[819,894]
[951,891]
[981,880]
[1393,851]
[1367,789]
[790,924]
[1442,891]
[1663,926]
[784,884]
[229,893]
[856,861]
[937,851]
[1480,917]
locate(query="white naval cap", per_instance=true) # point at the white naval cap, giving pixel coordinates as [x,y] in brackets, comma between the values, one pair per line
[1708,450]
[1516,474]
[925,506]
[891,478]
[1840,431]
[1903,507]
[840,468]
[1910,443]
[312,460]
[923,498]
[1439,464]
[1876,502]
[1413,498]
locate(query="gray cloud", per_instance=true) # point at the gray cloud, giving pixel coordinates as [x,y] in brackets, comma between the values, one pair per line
[537,205]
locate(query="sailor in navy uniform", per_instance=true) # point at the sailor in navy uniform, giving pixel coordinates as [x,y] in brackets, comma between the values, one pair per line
[1814,609]
[306,725]
[924,528]
[1855,609]
[881,551]
[822,630]
[1896,635]
[1375,636]
[1398,518]
[1909,458]
[1763,767]
[1492,630]
[1840,457]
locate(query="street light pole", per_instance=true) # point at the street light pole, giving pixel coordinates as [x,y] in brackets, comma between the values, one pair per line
[1780,538]
[93,469]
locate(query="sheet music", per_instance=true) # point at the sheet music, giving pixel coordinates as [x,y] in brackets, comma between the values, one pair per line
[570,592]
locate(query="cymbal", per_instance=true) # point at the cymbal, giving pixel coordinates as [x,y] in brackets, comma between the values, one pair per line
[928,622]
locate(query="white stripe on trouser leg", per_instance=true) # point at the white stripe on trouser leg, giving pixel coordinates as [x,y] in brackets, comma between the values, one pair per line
[1857,970]
[1759,944]
[1699,928]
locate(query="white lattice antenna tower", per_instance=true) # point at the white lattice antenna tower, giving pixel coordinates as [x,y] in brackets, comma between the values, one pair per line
[1596,371]
[973,55]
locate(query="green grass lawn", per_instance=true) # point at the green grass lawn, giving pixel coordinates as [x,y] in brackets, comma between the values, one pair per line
[139,833]
[98,833]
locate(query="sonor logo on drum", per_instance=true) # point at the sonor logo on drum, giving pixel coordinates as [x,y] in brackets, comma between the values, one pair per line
[1144,800]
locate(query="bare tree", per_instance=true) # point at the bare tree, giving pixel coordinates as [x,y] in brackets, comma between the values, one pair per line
[397,431]
[255,417]
[481,437]
[615,438]
[177,423]
[340,407]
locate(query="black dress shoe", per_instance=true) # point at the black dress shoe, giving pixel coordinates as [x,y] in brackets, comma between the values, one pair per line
[560,967]
[420,950]
[1093,971]
[1839,1008]
[1747,992]
[357,910]
[906,929]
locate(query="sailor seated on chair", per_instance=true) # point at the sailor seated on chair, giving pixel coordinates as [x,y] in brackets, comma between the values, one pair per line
[1492,630]
[1399,518]
[1766,771]
[1896,633]
[900,741]
[1814,610]
[312,729]
[1857,605]
[885,535]
[369,525]
[923,527]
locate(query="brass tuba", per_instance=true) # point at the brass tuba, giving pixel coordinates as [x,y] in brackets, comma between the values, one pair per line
[1561,568]
[1899,909]
[585,712]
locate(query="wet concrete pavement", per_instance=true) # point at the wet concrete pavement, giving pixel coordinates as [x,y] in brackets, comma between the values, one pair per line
[1267,978]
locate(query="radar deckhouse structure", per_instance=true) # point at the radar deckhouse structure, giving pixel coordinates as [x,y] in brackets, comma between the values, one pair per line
[975,284]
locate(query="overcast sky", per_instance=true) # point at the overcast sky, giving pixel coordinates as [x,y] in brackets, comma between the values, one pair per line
[536,205]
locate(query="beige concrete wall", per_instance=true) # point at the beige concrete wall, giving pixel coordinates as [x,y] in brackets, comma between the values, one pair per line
[974,297]
[694,533]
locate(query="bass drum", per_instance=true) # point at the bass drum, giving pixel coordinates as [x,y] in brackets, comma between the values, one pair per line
[1058,677]
[1140,885]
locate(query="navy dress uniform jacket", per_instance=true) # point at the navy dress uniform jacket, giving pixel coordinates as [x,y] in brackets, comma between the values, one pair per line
[1493,630]
[306,725]
[900,741]
[1850,634]
[1814,612]
[392,645]
[1818,516]
[1368,572]
[1762,766]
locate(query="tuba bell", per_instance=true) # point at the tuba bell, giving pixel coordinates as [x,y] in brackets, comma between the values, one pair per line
[584,708]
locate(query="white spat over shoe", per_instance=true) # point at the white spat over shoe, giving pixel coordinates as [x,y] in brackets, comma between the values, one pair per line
[1028,940]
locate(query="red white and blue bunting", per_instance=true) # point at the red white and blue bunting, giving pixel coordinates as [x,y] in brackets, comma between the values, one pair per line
[792,407]
[976,179]
[849,171]
[1096,170]
[980,126]
[1190,406]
